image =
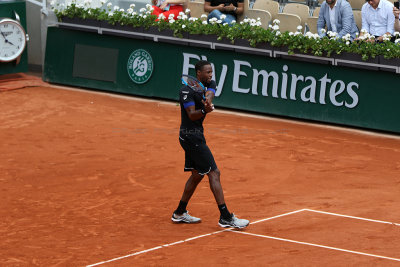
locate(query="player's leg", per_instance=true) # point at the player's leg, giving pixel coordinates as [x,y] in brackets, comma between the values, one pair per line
[181,215]
[226,219]
[191,185]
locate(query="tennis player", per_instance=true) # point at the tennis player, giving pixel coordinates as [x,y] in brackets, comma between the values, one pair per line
[198,157]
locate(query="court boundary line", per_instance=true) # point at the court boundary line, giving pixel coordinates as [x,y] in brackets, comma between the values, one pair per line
[352,217]
[188,239]
[317,245]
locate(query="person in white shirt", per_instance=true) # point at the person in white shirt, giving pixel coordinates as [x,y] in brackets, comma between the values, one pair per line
[377,18]
[396,13]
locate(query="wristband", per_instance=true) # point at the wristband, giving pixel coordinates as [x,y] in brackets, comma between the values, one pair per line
[212,90]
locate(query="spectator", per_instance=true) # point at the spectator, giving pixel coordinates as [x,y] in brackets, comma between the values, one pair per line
[167,7]
[337,16]
[396,13]
[224,10]
[377,18]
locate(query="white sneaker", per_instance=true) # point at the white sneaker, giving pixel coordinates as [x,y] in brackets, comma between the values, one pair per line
[233,222]
[184,218]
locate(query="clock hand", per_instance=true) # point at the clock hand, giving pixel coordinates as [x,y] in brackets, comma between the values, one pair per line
[4,36]
[9,42]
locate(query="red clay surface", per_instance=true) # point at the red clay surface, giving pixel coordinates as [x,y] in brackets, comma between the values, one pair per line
[86,177]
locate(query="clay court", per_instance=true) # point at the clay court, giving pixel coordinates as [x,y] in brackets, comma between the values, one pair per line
[91,178]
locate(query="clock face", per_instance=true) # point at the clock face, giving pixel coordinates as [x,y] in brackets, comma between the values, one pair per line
[12,40]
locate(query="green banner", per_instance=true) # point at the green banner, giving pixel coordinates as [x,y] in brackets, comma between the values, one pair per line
[325,93]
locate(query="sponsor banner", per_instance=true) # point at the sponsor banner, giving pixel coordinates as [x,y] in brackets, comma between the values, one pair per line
[339,95]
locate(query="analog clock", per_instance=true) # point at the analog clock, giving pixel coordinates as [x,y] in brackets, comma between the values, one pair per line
[12,40]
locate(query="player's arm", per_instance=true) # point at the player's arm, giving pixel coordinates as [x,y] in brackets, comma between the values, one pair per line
[210,96]
[210,93]
[196,114]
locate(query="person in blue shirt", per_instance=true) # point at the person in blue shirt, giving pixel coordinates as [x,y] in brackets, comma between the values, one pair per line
[337,16]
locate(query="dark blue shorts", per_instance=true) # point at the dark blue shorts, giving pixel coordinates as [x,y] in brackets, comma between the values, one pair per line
[197,154]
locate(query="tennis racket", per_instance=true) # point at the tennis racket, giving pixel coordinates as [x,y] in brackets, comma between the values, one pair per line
[194,84]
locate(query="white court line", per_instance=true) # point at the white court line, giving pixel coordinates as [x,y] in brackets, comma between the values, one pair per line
[316,245]
[186,240]
[352,217]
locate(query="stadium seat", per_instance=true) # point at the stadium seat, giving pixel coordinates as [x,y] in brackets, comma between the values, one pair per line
[300,10]
[196,9]
[246,8]
[316,12]
[271,6]
[357,18]
[312,24]
[288,22]
[356,4]
[264,15]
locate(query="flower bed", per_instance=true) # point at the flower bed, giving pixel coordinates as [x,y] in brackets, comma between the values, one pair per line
[249,29]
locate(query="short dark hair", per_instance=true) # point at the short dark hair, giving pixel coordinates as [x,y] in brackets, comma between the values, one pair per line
[199,65]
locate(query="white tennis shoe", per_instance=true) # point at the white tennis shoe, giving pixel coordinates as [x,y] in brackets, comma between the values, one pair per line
[233,222]
[184,218]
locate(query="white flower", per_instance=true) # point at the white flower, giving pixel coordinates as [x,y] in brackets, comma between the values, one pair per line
[183,26]
[291,33]
[53,2]
[110,14]
[364,31]
[203,16]
[276,21]
[396,34]
[258,23]
[246,20]
[102,2]
[299,28]
[171,21]
[171,16]
[347,42]
[161,16]
[132,6]
[225,24]
[148,6]
[184,17]
[204,22]
[323,31]
[223,16]
[116,8]
[129,10]
[233,22]
[109,4]
[179,17]
[142,10]
[122,10]
[309,35]
[187,11]
[144,16]
[297,33]
[278,33]
[275,27]
[397,41]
